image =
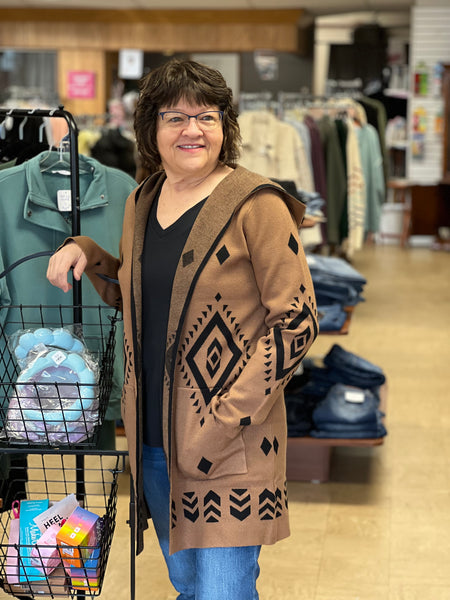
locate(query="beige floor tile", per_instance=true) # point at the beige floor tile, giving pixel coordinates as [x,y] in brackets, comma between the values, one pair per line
[429,506]
[420,552]
[416,444]
[353,568]
[424,591]
[356,525]
[411,477]
[360,592]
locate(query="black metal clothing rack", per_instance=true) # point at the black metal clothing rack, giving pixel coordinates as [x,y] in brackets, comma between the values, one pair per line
[74,173]
[60,112]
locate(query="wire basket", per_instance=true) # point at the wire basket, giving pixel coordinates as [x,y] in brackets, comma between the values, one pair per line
[93,478]
[56,370]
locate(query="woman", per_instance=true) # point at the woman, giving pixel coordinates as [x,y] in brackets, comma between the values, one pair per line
[218,311]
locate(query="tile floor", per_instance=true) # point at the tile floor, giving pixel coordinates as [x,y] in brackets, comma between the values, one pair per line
[379,529]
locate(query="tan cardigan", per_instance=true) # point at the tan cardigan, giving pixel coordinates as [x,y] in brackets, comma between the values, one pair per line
[242,317]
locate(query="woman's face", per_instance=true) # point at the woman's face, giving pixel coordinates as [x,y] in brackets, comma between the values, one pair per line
[188,148]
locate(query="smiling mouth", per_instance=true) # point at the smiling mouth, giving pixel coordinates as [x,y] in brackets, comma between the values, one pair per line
[191,146]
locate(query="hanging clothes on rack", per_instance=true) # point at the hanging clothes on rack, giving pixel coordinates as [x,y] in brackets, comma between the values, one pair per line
[335,178]
[372,165]
[356,191]
[377,116]
[274,148]
[21,139]
[35,216]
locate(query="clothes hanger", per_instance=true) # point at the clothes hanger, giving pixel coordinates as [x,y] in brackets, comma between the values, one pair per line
[57,161]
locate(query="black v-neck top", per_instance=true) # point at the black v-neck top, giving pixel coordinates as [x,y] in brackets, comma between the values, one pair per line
[162,251]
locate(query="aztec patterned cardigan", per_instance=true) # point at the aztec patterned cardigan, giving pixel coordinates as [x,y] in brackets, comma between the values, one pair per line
[242,317]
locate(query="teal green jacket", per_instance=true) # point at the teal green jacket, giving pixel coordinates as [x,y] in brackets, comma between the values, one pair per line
[372,166]
[31,222]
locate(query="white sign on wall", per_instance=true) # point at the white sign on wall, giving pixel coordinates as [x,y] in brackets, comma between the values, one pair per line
[131,64]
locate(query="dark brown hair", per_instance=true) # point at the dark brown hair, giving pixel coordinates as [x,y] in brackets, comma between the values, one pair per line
[197,84]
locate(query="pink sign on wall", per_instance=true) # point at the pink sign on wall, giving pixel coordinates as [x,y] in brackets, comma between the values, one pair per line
[81,84]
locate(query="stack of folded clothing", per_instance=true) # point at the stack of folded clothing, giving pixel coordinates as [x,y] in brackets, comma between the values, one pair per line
[348,412]
[336,285]
[342,366]
[299,405]
[338,400]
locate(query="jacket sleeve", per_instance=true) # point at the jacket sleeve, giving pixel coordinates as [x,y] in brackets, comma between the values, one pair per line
[287,294]
[102,269]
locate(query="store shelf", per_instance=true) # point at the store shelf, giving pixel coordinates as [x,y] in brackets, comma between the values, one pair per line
[397,93]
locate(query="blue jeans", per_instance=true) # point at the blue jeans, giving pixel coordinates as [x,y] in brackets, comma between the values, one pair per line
[337,416]
[197,573]
[331,317]
[329,290]
[335,268]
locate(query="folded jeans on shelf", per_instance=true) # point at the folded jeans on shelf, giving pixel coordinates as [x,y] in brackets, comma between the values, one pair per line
[340,358]
[354,433]
[299,410]
[342,292]
[348,377]
[322,379]
[349,429]
[331,317]
[346,404]
[336,267]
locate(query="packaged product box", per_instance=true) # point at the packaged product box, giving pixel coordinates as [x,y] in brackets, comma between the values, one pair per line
[45,554]
[57,513]
[87,577]
[80,530]
[28,536]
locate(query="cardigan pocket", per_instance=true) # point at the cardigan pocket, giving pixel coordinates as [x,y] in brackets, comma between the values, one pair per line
[205,448]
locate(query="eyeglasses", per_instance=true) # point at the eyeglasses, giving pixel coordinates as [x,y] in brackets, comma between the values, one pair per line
[206,120]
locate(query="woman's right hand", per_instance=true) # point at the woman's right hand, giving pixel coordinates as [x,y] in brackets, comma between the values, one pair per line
[70,256]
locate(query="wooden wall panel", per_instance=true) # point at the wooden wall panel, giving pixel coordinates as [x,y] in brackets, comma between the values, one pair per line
[157,31]
[149,37]
[83,60]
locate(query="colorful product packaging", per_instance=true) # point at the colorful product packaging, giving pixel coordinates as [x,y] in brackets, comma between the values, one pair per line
[87,578]
[29,535]
[80,531]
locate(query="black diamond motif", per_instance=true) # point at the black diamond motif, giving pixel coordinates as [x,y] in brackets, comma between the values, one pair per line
[293,244]
[188,258]
[266,446]
[222,255]
[204,465]
[245,421]
[276,445]
[213,360]
[215,333]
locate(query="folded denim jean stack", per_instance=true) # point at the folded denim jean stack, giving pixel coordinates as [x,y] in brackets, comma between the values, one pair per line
[339,399]
[348,412]
[337,285]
